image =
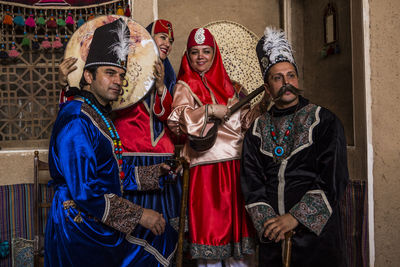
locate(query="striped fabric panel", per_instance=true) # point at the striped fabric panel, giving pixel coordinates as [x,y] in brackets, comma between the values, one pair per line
[16,213]
[353,210]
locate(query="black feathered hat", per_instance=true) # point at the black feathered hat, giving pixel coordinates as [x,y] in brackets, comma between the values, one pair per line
[273,48]
[110,45]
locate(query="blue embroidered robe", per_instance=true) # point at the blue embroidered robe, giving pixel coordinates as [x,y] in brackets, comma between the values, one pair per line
[89,221]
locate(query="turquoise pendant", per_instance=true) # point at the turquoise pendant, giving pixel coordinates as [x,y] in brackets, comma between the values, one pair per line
[278,151]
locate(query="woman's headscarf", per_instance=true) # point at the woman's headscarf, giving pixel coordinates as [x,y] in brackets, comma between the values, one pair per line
[215,78]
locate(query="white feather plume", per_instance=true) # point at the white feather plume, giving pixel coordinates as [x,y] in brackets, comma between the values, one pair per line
[275,44]
[122,46]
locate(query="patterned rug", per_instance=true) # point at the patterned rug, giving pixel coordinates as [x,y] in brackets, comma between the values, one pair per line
[16,221]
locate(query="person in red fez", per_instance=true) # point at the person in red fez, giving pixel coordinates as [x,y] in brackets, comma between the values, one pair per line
[220,231]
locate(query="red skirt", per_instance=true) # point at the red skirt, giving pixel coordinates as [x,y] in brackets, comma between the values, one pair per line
[219,226]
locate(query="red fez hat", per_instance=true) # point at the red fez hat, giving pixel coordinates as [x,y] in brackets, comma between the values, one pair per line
[200,36]
[163,26]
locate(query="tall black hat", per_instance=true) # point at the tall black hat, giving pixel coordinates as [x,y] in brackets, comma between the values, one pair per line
[110,45]
[273,48]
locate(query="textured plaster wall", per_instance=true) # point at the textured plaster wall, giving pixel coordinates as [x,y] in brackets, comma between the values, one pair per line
[328,81]
[385,73]
[185,15]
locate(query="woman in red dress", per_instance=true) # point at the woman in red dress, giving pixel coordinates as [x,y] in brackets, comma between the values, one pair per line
[218,224]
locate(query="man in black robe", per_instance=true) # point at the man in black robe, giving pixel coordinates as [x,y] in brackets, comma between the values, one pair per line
[294,167]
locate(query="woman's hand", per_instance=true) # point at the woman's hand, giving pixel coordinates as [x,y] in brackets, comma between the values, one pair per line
[159,74]
[218,111]
[66,67]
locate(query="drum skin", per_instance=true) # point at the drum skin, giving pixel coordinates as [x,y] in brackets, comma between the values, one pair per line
[141,59]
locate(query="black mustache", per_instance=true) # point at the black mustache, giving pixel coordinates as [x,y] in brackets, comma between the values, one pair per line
[288,88]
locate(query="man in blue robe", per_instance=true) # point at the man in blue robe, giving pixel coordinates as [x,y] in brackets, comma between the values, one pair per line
[89,221]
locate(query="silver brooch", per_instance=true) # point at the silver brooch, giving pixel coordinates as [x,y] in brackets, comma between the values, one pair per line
[265,62]
[199,36]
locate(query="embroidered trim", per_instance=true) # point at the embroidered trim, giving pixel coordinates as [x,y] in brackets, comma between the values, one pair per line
[174,222]
[260,212]
[236,250]
[154,142]
[196,98]
[161,101]
[70,204]
[121,214]
[281,187]
[99,123]
[153,251]
[312,211]
[206,119]
[147,177]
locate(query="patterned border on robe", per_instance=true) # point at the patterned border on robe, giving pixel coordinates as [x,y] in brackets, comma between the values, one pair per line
[236,250]
[260,212]
[161,259]
[313,211]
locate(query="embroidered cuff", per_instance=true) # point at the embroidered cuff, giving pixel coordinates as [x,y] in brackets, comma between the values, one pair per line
[148,177]
[260,212]
[121,214]
[313,211]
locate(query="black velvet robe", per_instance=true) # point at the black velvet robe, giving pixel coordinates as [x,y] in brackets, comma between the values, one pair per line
[307,181]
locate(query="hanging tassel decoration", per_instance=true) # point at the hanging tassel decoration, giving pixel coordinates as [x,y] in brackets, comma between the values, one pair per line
[19,20]
[40,21]
[13,53]
[127,11]
[35,43]
[80,21]
[57,43]
[30,22]
[3,53]
[60,21]
[91,16]
[7,20]
[51,22]
[65,41]
[70,19]
[26,42]
[120,11]
[46,43]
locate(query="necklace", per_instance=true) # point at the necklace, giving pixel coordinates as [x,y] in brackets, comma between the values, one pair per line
[279,151]
[114,135]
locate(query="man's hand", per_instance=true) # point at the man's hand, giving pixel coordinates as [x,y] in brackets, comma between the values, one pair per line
[66,67]
[153,221]
[159,74]
[278,226]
